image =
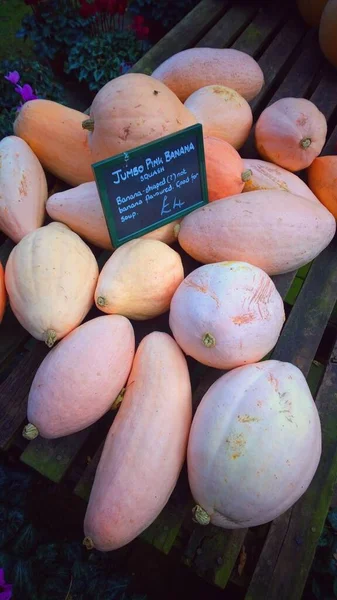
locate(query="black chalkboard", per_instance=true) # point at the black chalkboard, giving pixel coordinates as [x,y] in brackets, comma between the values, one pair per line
[151,185]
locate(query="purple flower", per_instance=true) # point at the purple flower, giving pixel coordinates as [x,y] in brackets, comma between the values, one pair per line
[26,93]
[5,588]
[13,77]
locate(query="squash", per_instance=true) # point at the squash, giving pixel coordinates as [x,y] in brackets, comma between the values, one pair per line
[224,168]
[327,32]
[54,133]
[274,230]
[261,175]
[80,208]
[3,295]
[73,386]
[227,314]
[311,11]
[322,179]
[132,110]
[145,447]
[264,420]
[23,189]
[192,69]
[222,112]
[291,133]
[139,280]
[50,279]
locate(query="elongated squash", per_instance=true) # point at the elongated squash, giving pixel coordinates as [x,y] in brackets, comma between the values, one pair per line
[54,133]
[80,378]
[50,278]
[262,175]
[23,188]
[145,447]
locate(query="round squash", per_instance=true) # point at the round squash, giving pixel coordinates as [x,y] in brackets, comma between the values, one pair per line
[50,278]
[291,133]
[327,32]
[145,447]
[139,280]
[265,421]
[261,175]
[73,386]
[3,295]
[54,133]
[222,112]
[274,230]
[80,208]
[311,11]
[192,69]
[227,314]
[224,168]
[23,189]
[322,179]
[132,110]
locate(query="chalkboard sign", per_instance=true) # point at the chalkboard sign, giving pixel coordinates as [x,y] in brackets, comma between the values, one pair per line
[151,185]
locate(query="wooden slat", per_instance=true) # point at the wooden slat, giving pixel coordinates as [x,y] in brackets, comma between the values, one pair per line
[331,145]
[11,335]
[325,95]
[260,30]
[228,28]
[184,35]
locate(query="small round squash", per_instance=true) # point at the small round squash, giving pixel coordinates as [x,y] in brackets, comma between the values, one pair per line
[227,314]
[224,167]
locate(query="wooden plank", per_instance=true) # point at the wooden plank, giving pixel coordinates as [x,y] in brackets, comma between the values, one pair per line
[331,145]
[11,335]
[184,35]
[228,28]
[260,30]
[325,94]
[84,485]
[293,537]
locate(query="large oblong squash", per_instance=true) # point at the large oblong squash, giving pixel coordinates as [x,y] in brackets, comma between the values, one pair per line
[262,175]
[55,134]
[192,69]
[274,230]
[322,179]
[327,32]
[80,378]
[23,189]
[254,446]
[145,447]
[50,278]
[139,279]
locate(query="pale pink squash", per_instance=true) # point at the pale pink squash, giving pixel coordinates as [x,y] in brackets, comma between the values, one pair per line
[80,378]
[222,112]
[265,421]
[192,69]
[3,295]
[80,208]
[50,278]
[291,133]
[224,168]
[274,230]
[132,110]
[145,447]
[139,279]
[261,175]
[227,314]
[23,188]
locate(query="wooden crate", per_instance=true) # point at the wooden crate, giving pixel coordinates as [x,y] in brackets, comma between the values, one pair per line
[278,556]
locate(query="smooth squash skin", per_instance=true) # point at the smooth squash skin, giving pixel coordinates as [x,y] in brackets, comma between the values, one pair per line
[311,11]
[139,279]
[271,229]
[322,179]
[327,32]
[227,314]
[192,69]
[23,189]
[50,278]
[55,134]
[145,447]
[262,175]
[80,378]
[3,295]
[291,133]
[80,208]
[224,168]
[222,112]
[264,420]
[132,110]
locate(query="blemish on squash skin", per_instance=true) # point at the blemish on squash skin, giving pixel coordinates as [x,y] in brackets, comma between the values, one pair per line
[243,319]
[23,188]
[273,381]
[203,289]
[248,419]
[236,444]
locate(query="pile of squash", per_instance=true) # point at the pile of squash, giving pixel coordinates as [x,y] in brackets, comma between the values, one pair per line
[255,440]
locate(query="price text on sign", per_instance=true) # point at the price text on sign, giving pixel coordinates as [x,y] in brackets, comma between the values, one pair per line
[149,186]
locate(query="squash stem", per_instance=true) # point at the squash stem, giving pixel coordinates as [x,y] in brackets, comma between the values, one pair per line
[305,143]
[101,301]
[119,399]
[208,340]
[246,175]
[88,543]
[30,432]
[176,230]
[88,124]
[50,337]
[199,515]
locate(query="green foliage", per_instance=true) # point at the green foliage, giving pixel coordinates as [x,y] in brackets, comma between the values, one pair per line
[97,60]
[165,12]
